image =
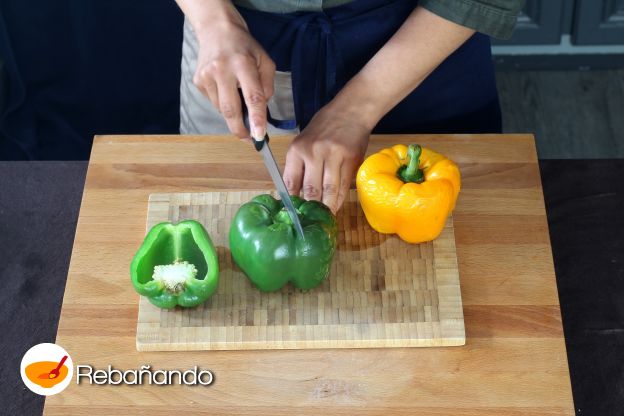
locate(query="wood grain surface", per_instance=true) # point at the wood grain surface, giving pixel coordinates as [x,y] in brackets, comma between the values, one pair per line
[381,291]
[513,363]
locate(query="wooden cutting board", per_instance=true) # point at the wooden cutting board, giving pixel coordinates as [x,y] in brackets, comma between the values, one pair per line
[381,292]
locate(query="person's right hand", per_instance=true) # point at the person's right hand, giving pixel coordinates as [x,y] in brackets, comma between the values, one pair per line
[229,58]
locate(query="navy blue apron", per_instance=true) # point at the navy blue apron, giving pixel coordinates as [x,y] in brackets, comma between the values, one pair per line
[323,50]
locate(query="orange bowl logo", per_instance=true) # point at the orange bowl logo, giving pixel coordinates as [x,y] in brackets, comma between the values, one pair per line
[46,369]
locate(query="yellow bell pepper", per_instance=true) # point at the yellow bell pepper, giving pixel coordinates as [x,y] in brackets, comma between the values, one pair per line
[409,191]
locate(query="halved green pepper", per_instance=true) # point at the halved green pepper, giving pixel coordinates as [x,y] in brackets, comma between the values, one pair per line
[265,245]
[176,265]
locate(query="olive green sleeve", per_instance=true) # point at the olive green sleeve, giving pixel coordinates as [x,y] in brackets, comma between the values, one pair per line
[496,18]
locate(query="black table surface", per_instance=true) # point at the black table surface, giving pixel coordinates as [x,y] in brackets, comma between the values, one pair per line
[39,204]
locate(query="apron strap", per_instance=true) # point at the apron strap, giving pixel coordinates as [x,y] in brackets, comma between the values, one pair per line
[324,49]
[281,124]
[305,43]
[314,60]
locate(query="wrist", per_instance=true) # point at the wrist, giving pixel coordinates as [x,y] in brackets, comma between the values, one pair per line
[221,16]
[366,100]
[357,106]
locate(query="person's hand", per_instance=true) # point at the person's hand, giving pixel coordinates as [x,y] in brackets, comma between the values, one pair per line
[229,58]
[323,159]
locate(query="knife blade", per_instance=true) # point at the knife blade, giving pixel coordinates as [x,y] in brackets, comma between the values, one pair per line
[262,145]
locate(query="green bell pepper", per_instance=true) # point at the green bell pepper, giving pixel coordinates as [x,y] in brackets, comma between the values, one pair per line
[176,265]
[265,244]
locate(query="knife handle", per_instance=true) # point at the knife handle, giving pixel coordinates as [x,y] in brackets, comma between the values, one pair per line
[259,144]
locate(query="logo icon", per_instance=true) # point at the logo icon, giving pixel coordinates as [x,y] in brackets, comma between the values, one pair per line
[47,369]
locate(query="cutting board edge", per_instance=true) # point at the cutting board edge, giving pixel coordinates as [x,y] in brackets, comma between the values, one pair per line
[299,345]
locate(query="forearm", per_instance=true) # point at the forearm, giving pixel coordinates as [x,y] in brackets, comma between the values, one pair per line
[415,50]
[205,14]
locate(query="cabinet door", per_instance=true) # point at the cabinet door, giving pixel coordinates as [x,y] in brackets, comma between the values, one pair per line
[599,22]
[539,23]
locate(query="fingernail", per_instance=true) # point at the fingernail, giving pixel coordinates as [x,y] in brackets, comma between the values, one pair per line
[258,133]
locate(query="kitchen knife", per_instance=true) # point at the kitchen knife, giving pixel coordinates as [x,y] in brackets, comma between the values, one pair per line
[262,146]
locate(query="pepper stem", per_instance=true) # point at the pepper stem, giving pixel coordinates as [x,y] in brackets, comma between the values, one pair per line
[282,216]
[411,172]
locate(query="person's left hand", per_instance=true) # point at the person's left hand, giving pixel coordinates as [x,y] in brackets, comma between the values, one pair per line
[323,159]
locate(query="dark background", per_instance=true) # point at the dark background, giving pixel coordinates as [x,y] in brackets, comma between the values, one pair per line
[70,69]
[76,68]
